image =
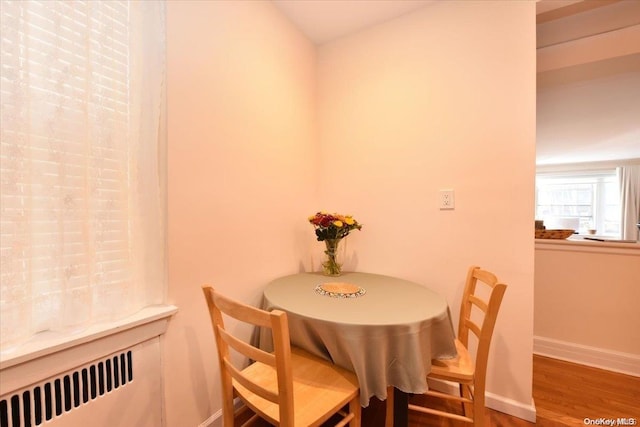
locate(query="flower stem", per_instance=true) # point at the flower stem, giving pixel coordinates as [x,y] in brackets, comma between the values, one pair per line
[331,267]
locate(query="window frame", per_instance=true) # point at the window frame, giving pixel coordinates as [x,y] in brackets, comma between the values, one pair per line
[599,205]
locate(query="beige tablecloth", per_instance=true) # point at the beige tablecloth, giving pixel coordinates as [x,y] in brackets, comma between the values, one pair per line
[387,336]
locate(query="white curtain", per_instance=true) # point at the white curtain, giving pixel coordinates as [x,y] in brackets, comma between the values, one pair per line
[82,163]
[630,200]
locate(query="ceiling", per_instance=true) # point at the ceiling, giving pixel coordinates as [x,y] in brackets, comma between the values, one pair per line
[585,114]
[589,113]
[325,20]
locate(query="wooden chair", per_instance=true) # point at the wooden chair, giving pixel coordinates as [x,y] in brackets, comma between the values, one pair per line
[288,387]
[477,315]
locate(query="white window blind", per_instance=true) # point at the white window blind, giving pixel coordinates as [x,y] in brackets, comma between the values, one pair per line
[82,183]
[580,200]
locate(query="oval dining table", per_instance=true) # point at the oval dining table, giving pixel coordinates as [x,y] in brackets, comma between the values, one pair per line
[384,329]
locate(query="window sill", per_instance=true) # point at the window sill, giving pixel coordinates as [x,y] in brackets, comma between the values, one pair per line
[148,322]
[580,245]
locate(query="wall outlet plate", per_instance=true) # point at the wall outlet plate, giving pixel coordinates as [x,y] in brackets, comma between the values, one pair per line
[447,200]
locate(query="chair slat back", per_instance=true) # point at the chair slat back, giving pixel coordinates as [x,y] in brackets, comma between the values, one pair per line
[471,326]
[251,352]
[280,359]
[246,382]
[480,303]
[489,307]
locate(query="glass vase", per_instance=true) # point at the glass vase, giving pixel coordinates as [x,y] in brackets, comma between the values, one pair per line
[330,266]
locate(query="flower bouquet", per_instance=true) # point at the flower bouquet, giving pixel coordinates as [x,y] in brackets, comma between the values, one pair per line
[331,228]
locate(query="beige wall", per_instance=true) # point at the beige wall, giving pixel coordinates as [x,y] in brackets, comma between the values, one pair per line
[443,98]
[241,174]
[587,296]
[437,99]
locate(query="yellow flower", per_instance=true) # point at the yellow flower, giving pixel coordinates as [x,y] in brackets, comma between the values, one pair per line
[349,220]
[337,223]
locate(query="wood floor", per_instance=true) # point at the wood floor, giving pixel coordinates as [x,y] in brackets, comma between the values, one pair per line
[564,394]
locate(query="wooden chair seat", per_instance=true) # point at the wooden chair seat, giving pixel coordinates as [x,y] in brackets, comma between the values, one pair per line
[320,389]
[289,387]
[461,368]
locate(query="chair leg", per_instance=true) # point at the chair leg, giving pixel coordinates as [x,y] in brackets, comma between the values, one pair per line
[467,408]
[228,410]
[478,409]
[388,422]
[356,410]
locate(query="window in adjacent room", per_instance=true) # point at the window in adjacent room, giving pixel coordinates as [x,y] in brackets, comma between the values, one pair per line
[585,200]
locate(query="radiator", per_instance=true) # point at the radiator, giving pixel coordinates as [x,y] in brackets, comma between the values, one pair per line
[118,389]
[108,375]
[57,396]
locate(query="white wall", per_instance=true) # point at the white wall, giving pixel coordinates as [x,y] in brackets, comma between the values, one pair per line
[443,98]
[586,296]
[241,96]
[436,99]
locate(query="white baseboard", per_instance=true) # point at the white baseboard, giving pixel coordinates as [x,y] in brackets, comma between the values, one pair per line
[624,363]
[493,401]
[511,407]
[214,420]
